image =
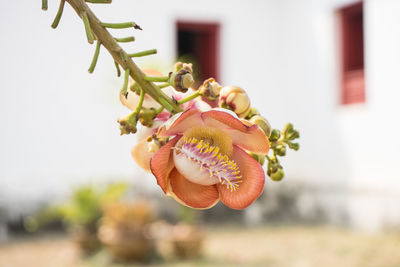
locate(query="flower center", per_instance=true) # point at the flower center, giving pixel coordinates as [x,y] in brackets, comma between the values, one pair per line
[203,163]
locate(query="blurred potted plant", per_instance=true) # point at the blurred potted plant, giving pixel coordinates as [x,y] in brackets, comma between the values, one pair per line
[187,236]
[124,230]
[81,213]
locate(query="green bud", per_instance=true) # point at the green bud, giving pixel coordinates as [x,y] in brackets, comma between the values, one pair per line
[293,135]
[146,116]
[287,129]
[275,135]
[262,123]
[280,150]
[252,112]
[260,158]
[128,124]
[278,175]
[294,146]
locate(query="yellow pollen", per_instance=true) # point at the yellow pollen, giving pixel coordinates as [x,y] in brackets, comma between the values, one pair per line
[213,137]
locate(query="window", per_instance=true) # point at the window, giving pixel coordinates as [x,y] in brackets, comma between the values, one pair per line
[198,43]
[352,50]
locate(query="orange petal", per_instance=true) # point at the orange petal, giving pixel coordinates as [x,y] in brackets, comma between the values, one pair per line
[162,163]
[183,121]
[246,135]
[190,194]
[252,185]
[141,155]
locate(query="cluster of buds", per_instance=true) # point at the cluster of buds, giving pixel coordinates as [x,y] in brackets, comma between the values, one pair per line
[182,78]
[280,140]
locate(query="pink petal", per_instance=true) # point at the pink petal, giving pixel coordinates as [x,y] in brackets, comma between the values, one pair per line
[190,194]
[162,163]
[252,185]
[183,121]
[249,137]
[142,156]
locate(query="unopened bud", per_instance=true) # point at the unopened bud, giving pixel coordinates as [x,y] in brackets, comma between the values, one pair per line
[210,89]
[293,135]
[280,150]
[275,135]
[294,146]
[260,158]
[182,78]
[146,116]
[235,99]
[287,129]
[262,123]
[253,112]
[278,175]
[128,124]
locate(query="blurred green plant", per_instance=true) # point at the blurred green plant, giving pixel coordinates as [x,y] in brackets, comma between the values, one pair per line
[83,209]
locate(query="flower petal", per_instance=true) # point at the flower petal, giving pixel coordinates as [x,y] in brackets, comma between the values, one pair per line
[142,156]
[180,122]
[252,185]
[190,194]
[249,137]
[162,163]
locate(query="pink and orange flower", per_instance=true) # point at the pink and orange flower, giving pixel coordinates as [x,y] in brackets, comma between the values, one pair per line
[207,159]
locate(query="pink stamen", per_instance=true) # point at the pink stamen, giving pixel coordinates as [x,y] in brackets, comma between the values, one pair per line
[211,159]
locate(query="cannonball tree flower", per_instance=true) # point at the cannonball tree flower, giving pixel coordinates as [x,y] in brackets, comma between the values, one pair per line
[207,160]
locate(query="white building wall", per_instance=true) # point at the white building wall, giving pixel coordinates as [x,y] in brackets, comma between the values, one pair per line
[58,123]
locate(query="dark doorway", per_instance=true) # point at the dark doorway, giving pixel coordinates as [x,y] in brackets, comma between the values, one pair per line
[352,46]
[198,43]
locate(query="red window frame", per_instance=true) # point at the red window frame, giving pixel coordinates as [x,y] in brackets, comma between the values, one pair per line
[352,54]
[207,52]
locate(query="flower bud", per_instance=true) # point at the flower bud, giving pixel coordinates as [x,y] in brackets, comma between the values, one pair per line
[294,146]
[278,175]
[280,150]
[287,129]
[181,79]
[146,116]
[128,123]
[253,112]
[210,89]
[293,135]
[262,123]
[235,99]
[275,135]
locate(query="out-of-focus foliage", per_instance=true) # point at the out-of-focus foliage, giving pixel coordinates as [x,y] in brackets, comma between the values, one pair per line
[84,208]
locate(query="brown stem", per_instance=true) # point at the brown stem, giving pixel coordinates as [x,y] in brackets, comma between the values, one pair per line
[122,57]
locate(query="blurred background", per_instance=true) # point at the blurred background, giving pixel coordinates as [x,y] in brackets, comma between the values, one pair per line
[331,67]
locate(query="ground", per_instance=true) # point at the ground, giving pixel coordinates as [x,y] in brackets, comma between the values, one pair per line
[232,246]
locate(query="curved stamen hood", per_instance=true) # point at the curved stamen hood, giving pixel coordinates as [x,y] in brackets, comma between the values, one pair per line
[204,164]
